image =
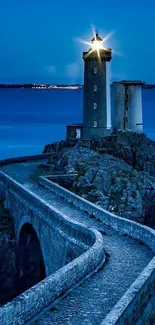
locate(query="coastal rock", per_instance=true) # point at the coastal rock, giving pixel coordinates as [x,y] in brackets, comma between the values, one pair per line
[117,173]
[135,149]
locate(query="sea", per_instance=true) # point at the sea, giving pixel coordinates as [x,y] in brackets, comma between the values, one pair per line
[31,118]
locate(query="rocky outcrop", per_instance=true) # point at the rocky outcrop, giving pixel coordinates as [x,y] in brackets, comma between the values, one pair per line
[135,149]
[58,146]
[117,173]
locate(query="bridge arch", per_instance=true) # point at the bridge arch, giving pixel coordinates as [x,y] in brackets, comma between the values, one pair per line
[30,262]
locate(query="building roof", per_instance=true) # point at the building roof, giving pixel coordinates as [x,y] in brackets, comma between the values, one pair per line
[130,82]
[96,38]
[133,82]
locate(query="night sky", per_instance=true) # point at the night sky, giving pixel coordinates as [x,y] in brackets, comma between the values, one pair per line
[38,38]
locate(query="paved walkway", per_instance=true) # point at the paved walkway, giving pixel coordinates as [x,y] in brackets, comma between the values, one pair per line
[92,301]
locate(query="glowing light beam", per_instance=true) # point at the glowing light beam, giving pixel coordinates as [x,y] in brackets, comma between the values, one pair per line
[97,45]
[109,35]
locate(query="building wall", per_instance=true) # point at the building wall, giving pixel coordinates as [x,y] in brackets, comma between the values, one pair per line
[108,94]
[74,131]
[127,107]
[118,91]
[135,119]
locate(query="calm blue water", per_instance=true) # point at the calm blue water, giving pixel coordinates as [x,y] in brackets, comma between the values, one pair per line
[29,119]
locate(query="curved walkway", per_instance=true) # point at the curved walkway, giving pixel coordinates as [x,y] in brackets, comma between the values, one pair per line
[93,300]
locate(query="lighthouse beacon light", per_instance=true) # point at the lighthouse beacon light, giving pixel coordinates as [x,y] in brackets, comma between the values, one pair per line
[97,42]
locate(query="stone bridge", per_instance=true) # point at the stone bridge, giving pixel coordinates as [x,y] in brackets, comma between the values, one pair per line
[93,267]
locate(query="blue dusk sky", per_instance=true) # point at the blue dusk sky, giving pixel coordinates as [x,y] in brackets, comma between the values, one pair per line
[38,39]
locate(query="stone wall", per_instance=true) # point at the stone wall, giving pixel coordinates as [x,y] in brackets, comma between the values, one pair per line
[122,225]
[64,237]
[130,309]
[135,301]
[9,161]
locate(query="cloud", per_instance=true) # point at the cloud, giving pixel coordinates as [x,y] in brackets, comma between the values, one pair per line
[72,71]
[50,68]
[118,76]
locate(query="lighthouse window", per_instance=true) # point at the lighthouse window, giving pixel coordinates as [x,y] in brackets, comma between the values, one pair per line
[95,124]
[95,87]
[95,105]
[95,70]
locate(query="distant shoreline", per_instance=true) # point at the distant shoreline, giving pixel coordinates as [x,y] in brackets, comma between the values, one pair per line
[47,86]
[40,86]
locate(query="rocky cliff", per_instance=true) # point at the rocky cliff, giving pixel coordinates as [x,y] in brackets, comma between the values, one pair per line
[117,172]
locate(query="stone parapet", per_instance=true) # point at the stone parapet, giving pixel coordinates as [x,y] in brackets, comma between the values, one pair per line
[32,302]
[122,225]
[10,161]
[131,307]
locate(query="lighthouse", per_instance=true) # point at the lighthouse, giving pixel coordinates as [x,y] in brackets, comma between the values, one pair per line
[126,95]
[96,98]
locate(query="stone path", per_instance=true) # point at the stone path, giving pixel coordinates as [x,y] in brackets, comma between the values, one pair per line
[92,301]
